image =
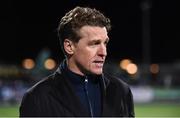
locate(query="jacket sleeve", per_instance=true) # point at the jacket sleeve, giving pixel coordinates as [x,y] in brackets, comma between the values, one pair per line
[28,107]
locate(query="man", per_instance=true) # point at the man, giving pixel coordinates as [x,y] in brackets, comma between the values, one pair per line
[79,87]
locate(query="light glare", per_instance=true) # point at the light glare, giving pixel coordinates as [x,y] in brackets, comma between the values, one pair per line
[28,63]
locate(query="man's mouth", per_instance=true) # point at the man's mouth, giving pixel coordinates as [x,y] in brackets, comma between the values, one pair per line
[99,63]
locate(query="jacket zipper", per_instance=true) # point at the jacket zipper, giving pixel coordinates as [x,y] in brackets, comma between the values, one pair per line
[87,96]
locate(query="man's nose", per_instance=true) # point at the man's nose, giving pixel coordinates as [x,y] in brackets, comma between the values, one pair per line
[102,50]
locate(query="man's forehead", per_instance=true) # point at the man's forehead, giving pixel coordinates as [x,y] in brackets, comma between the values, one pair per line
[95,31]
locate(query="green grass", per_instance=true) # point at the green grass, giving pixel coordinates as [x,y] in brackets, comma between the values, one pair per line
[157,110]
[9,111]
[141,110]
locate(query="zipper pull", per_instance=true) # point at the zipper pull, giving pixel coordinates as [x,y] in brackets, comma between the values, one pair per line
[86,80]
[86,83]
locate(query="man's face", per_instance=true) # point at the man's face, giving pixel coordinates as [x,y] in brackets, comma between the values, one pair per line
[90,52]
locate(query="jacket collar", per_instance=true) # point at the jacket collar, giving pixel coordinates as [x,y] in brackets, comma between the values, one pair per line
[63,67]
[104,80]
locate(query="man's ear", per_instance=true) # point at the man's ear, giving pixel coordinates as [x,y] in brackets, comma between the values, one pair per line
[68,46]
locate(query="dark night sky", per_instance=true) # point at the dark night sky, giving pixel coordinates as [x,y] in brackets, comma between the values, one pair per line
[28,26]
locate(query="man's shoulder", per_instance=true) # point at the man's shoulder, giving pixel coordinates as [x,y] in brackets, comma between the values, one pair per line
[45,85]
[117,81]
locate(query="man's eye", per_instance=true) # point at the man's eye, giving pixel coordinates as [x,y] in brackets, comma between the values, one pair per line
[96,43]
[106,42]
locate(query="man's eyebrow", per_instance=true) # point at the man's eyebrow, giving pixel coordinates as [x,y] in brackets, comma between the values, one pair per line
[95,40]
[107,39]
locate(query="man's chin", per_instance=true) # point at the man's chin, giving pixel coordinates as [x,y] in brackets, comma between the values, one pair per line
[99,72]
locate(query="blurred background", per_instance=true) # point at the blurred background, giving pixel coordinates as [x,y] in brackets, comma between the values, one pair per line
[143,50]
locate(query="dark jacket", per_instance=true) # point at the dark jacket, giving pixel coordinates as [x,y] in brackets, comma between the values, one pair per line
[54,96]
